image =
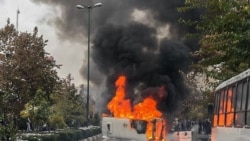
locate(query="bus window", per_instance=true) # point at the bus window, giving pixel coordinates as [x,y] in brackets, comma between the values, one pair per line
[244,96]
[230,109]
[221,109]
[229,100]
[234,98]
[216,108]
[239,115]
[248,119]
[248,106]
[217,105]
[238,97]
[239,120]
[225,102]
[221,102]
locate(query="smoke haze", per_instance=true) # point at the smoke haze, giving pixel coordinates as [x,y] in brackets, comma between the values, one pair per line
[123,45]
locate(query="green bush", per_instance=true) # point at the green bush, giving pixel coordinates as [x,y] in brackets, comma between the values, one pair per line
[57,121]
[31,138]
[53,137]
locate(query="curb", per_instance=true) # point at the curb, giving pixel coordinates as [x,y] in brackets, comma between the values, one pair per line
[92,138]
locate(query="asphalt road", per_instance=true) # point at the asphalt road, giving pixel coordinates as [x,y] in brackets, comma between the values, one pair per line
[171,137]
[197,138]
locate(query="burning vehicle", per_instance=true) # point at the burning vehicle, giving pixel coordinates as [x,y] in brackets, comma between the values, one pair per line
[139,130]
[141,121]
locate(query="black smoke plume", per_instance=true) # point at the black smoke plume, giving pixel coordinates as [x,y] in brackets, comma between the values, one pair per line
[123,46]
[133,51]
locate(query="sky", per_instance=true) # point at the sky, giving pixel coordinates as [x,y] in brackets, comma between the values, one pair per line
[69,54]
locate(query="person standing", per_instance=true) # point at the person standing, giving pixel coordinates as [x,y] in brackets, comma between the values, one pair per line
[200,126]
[28,125]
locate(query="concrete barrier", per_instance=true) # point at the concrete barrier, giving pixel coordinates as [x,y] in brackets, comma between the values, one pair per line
[92,138]
[180,136]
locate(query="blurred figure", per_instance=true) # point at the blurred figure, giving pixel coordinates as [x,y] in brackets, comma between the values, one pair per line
[207,127]
[179,126]
[28,125]
[200,126]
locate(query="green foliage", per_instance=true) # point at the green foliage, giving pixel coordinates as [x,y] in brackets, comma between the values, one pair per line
[7,130]
[223,29]
[56,121]
[194,107]
[25,70]
[31,138]
[69,104]
[38,110]
[95,120]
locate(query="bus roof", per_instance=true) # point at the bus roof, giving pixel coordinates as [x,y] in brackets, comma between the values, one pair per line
[234,79]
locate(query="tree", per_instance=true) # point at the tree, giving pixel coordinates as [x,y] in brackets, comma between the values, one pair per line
[38,110]
[224,32]
[68,105]
[195,106]
[25,69]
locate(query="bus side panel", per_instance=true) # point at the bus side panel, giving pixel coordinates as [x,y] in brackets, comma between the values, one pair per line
[230,134]
[120,128]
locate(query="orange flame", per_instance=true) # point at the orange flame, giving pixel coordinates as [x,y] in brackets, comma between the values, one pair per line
[146,110]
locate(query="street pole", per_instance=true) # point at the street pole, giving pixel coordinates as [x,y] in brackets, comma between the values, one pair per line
[88,66]
[88,56]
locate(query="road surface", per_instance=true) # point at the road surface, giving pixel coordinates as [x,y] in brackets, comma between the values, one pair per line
[171,137]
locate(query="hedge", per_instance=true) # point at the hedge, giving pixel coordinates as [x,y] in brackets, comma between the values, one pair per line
[66,135]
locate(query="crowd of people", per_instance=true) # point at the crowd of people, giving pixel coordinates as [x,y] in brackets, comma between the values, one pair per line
[184,125]
[204,126]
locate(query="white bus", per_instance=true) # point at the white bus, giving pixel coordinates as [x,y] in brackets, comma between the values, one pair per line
[127,129]
[231,116]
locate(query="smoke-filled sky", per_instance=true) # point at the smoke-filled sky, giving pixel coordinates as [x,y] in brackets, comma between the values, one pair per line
[138,38]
